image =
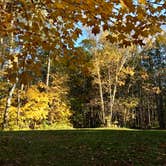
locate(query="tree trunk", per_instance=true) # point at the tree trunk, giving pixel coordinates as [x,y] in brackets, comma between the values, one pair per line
[160,108]
[8,104]
[112,100]
[160,101]
[11,91]
[109,119]
[101,96]
[149,114]
[2,53]
[160,111]
[48,70]
[125,116]
[19,103]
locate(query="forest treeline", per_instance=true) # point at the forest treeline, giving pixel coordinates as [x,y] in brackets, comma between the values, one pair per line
[113,78]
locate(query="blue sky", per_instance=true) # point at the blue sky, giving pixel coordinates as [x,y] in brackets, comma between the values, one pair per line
[81,37]
[85,33]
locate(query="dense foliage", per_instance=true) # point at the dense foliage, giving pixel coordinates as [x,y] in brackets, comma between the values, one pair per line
[114,78]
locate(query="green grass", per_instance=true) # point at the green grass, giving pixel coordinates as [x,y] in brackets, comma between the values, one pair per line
[83,147]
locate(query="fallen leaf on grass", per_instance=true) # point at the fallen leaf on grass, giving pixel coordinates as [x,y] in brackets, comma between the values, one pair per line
[162,146]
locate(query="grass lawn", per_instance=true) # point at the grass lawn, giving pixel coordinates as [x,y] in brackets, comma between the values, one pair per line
[83,147]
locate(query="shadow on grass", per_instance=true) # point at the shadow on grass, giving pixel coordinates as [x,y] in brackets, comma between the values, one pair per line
[86,130]
[82,147]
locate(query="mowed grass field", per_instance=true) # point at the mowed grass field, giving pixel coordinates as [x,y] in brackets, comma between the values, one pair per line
[83,147]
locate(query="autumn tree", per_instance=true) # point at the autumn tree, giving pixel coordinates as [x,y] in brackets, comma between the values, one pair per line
[29,27]
[109,71]
[154,64]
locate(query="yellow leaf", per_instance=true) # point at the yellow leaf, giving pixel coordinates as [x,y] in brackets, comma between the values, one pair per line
[59,5]
[127,4]
[123,4]
[142,2]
